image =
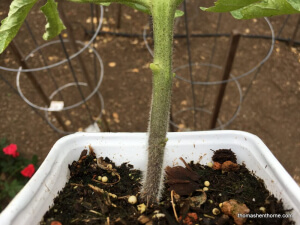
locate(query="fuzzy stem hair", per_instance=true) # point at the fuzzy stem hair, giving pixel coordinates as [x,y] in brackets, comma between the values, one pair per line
[163,13]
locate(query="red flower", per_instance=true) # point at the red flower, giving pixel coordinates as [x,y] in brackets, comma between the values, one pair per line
[28,171]
[11,150]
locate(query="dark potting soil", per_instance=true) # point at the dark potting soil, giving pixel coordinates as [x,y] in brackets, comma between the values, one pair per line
[99,192]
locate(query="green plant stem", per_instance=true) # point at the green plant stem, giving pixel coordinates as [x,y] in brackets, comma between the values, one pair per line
[163,13]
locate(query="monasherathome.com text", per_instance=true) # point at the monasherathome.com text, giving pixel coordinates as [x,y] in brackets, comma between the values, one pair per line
[265,215]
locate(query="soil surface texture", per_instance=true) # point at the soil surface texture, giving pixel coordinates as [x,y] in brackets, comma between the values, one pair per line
[98,192]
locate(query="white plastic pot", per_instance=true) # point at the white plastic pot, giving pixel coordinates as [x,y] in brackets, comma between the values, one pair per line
[28,207]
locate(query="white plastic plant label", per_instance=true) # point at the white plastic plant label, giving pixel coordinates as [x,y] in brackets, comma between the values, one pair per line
[56,105]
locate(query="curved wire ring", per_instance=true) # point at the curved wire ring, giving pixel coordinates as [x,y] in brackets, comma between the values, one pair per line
[71,106]
[66,86]
[242,75]
[240,100]
[222,81]
[195,109]
[146,42]
[85,46]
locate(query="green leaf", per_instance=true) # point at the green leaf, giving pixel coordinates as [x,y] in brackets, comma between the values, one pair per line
[13,188]
[34,160]
[2,143]
[54,24]
[11,24]
[105,4]
[179,13]
[266,8]
[295,4]
[228,5]
[138,7]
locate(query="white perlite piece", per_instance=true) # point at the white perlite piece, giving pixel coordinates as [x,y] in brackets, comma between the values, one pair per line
[132,199]
[206,183]
[104,179]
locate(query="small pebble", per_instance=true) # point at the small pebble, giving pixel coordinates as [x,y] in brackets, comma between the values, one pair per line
[206,183]
[216,211]
[210,164]
[109,166]
[104,179]
[216,166]
[56,223]
[262,209]
[142,208]
[158,215]
[205,189]
[143,219]
[132,200]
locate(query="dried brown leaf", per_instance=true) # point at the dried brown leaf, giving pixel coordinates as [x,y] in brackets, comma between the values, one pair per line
[182,180]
